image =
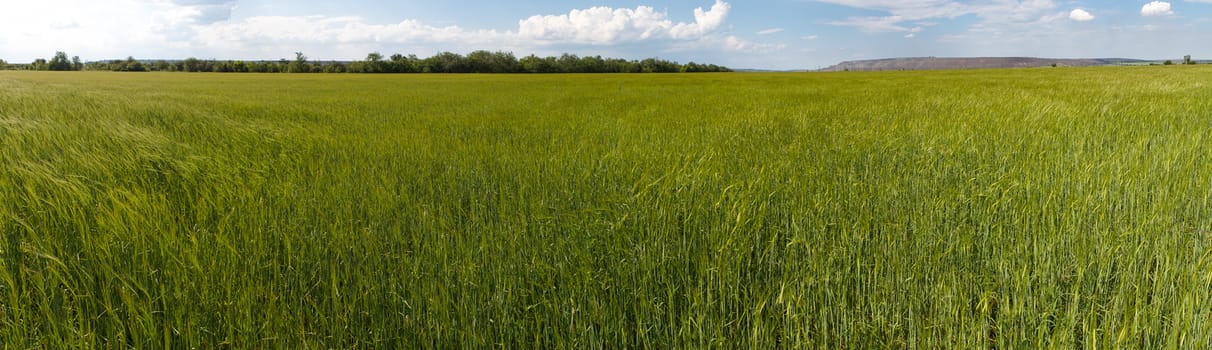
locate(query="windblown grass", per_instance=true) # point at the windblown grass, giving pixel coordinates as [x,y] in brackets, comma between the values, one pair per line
[971,209]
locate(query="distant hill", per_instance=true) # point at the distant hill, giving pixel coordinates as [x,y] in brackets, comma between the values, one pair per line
[925,63]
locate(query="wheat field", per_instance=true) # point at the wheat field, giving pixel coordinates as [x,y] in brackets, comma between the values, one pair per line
[1022,208]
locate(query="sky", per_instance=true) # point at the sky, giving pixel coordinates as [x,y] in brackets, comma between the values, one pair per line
[759,34]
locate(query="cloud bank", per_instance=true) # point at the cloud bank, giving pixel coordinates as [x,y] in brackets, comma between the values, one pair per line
[206,28]
[593,26]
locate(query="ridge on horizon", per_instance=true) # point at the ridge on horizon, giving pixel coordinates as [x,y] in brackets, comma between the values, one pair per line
[934,63]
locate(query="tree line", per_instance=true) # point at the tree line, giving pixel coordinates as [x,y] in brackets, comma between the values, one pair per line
[445,62]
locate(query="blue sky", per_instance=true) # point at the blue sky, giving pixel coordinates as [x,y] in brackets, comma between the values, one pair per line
[771,34]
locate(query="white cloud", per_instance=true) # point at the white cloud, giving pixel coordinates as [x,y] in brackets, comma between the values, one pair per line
[704,21]
[103,29]
[1080,15]
[875,24]
[206,11]
[910,35]
[770,31]
[333,30]
[604,25]
[906,9]
[594,29]
[809,37]
[593,26]
[737,44]
[1156,8]
[902,13]
[728,43]
[1055,17]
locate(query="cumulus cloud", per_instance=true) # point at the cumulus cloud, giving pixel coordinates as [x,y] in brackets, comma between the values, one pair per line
[1080,15]
[1156,8]
[704,21]
[605,25]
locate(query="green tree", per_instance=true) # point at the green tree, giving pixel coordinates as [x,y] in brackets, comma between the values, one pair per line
[649,65]
[479,61]
[404,64]
[191,65]
[374,63]
[223,67]
[446,62]
[334,67]
[1168,63]
[592,64]
[39,64]
[489,62]
[568,63]
[129,65]
[160,66]
[536,64]
[59,62]
[3,65]
[258,67]
[299,65]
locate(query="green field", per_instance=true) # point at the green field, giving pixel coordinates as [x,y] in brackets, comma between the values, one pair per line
[1030,208]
